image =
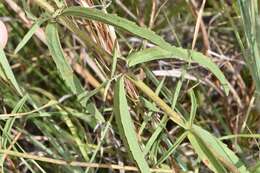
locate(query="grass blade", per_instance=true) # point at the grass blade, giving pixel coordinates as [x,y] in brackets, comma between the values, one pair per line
[126,127]
[63,66]
[28,35]
[157,53]
[164,120]
[172,148]
[8,71]
[250,17]
[9,125]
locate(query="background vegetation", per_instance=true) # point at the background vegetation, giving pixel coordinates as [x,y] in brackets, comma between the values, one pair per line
[130,86]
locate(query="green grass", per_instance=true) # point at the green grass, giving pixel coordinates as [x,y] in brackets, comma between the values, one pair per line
[78,92]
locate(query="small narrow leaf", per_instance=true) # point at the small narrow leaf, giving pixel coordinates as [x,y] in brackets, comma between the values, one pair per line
[178,119]
[114,20]
[29,34]
[205,154]
[114,62]
[126,127]
[157,53]
[150,106]
[155,134]
[193,107]
[95,115]
[172,148]
[9,123]
[63,66]
[177,90]
[6,69]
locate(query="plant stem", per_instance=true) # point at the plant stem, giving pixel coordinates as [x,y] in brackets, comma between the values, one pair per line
[178,119]
[74,133]
[76,163]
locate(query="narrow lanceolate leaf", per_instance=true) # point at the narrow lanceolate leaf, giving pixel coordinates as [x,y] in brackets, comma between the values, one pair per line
[119,22]
[193,107]
[221,151]
[205,154]
[29,34]
[63,66]
[170,51]
[172,148]
[126,127]
[157,53]
[7,71]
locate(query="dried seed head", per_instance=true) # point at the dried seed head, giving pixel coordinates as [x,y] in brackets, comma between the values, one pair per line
[3,35]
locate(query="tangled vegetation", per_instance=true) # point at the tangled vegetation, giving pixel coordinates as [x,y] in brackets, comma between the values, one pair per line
[130,86]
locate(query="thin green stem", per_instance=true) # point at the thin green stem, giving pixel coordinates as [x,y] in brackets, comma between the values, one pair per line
[240,136]
[74,132]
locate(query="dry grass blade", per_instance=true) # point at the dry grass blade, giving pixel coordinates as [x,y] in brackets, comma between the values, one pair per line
[76,163]
[198,23]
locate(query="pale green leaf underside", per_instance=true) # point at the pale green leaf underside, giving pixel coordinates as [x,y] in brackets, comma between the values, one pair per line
[7,71]
[220,148]
[126,127]
[157,53]
[205,154]
[63,66]
[29,34]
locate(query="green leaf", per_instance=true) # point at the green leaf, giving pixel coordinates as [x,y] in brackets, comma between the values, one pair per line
[221,151]
[29,34]
[63,66]
[250,17]
[9,125]
[148,117]
[205,154]
[95,115]
[256,168]
[172,148]
[193,107]
[155,134]
[150,106]
[127,128]
[7,71]
[177,90]
[157,53]
[145,33]
[114,62]
[111,19]
[178,119]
